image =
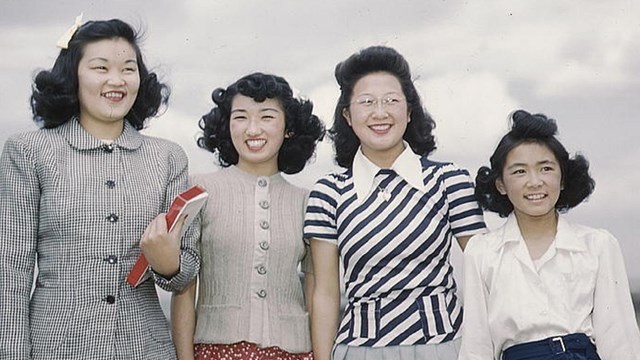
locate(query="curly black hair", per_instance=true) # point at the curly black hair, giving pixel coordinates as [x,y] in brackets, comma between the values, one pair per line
[348,72]
[304,129]
[537,128]
[54,98]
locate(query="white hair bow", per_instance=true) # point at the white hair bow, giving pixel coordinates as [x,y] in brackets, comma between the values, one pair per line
[63,42]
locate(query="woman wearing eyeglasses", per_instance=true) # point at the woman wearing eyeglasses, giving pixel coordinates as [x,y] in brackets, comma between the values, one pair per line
[389,217]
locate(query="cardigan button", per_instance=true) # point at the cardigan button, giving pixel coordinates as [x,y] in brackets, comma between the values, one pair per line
[262,182]
[262,293]
[262,270]
[264,224]
[264,245]
[264,204]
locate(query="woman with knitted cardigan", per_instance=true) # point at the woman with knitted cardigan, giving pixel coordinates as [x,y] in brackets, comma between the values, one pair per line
[251,304]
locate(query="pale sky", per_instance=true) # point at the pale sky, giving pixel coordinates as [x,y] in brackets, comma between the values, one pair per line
[577,61]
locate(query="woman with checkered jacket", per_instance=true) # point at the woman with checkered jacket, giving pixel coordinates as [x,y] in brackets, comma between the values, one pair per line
[76,198]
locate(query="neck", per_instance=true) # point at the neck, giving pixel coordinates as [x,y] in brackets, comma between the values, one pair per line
[383,159]
[108,131]
[538,232]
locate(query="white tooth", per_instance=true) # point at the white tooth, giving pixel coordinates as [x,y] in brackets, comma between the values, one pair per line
[535,196]
[256,143]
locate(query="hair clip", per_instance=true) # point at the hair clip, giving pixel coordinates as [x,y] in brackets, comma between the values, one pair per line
[63,42]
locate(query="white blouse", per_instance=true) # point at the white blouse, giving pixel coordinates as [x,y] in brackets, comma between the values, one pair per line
[579,286]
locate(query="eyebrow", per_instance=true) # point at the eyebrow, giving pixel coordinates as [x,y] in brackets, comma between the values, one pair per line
[261,110]
[543,162]
[385,94]
[98,58]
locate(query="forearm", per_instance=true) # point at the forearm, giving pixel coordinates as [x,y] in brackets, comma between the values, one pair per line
[324,324]
[182,330]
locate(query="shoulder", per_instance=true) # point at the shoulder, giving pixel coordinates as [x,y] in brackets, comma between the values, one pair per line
[163,145]
[295,191]
[32,141]
[211,180]
[596,239]
[165,149]
[444,169]
[336,180]
[480,244]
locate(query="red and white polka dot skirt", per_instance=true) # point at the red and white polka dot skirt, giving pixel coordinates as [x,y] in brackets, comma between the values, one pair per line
[245,351]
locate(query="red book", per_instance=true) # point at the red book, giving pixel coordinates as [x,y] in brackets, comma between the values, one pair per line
[187,204]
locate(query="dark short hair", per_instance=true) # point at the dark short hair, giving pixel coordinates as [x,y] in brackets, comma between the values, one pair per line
[54,98]
[371,60]
[528,128]
[303,127]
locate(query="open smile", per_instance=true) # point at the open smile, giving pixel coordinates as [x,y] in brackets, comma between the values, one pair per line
[380,128]
[255,144]
[114,95]
[534,197]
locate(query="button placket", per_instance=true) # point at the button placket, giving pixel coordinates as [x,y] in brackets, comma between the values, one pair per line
[262,207]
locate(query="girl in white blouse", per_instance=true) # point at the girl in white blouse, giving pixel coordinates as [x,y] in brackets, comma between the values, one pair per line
[541,287]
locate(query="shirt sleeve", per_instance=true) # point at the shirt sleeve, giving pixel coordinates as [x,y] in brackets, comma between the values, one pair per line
[320,217]
[189,254]
[19,207]
[476,335]
[465,215]
[614,322]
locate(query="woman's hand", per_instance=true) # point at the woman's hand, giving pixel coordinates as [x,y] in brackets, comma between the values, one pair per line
[161,247]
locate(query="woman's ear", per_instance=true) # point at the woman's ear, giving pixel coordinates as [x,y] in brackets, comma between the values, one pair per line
[500,186]
[347,115]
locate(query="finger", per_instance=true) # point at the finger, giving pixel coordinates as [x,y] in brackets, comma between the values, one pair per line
[179,224]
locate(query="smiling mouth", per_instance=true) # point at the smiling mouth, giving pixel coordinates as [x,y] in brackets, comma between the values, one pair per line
[380,128]
[114,95]
[256,144]
[535,196]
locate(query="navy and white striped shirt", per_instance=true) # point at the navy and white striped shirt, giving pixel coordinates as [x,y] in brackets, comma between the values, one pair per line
[394,245]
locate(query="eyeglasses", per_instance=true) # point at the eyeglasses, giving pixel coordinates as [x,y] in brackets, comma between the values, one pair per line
[369,102]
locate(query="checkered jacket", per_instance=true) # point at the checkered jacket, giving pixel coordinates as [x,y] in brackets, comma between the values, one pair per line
[76,209]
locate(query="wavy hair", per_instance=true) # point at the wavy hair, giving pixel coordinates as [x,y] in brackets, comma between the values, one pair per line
[537,128]
[304,129]
[348,72]
[54,99]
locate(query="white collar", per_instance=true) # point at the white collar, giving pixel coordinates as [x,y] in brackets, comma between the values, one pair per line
[407,165]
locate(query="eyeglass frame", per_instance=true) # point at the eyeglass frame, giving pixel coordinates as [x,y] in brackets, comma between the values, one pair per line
[384,101]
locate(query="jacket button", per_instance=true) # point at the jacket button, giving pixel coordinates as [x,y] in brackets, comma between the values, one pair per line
[110,299]
[111,259]
[108,148]
[112,218]
[110,184]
